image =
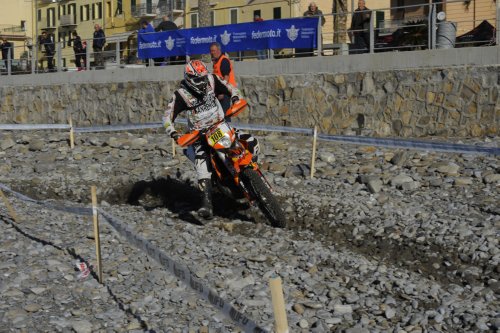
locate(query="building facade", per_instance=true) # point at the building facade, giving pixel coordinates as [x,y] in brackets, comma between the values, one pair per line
[60,18]
[120,19]
[16,25]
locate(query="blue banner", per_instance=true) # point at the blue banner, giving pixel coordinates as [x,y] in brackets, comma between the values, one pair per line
[273,34]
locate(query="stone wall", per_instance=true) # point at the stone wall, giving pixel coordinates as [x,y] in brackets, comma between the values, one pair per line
[460,101]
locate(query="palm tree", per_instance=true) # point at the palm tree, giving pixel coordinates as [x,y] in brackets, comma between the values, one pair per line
[339,20]
[204,14]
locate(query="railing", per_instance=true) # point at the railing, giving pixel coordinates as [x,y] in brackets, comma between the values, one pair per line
[67,20]
[143,10]
[403,28]
[7,28]
[172,9]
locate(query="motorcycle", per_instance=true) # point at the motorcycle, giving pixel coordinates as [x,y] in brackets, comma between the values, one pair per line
[235,173]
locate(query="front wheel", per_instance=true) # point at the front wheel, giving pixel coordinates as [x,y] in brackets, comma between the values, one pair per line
[267,201]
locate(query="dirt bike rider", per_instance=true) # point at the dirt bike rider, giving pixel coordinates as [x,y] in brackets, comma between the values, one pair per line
[198,96]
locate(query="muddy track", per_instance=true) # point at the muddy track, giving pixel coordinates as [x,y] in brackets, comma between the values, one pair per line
[182,198]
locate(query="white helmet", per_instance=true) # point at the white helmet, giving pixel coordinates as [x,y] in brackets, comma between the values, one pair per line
[196,76]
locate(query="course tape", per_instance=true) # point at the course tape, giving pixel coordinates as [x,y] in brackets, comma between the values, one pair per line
[358,140]
[412,144]
[73,210]
[269,128]
[112,128]
[184,274]
[22,127]
[180,271]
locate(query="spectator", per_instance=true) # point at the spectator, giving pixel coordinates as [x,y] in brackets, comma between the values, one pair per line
[84,55]
[48,44]
[146,28]
[166,25]
[360,29]
[97,45]
[312,11]
[5,47]
[40,53]
[261,54]
[78,49]
[223,68]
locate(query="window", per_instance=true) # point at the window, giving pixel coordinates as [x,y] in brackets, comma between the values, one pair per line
[233,16]
[51,17]
[133,4]
[119,7]
[277,13]
[163,5]
[72,11]
[194,20]
[212,18]
[85,13]
[149,6]
[97,11]
[39,15]
[61,11]
[257,12]
[62,39]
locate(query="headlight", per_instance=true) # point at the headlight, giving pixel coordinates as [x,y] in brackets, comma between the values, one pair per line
[225,142]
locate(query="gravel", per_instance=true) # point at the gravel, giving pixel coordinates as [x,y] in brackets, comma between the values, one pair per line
[380,240]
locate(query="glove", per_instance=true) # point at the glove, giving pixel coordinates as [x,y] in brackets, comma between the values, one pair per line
[235,99]
[174,135]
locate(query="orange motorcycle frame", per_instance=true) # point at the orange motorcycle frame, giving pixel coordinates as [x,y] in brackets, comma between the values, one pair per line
[239,155]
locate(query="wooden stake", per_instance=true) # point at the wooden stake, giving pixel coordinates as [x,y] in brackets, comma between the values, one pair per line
[71,134]
[11,210]
[96,233]
[173,148]
[313,159]
[278,305]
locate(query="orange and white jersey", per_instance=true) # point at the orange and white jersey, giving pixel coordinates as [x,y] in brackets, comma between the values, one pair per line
[202,111]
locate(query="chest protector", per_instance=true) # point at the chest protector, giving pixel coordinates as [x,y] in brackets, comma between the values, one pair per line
[205,111]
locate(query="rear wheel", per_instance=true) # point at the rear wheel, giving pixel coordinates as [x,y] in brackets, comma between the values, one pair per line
[267,201]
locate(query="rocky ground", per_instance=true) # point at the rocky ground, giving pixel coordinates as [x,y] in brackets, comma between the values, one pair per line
[382,240]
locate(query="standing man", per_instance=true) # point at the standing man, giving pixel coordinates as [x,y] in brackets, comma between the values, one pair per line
[50,49]
[223,68]
[312,11]
[98,44]
[78,49]
[166,25]
[146,28]
[5,47]
[261,54]
[360,28]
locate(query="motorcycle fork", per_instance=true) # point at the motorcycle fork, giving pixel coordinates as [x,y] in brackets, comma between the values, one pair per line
[234,169]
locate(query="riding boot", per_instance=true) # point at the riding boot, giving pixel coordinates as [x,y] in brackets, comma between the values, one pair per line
[206,208]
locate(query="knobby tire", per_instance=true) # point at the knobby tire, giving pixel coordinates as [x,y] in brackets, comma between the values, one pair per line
[266,200]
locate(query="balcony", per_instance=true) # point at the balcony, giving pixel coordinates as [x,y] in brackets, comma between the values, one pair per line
[67,20]
[171,8]
[48,2]
[6,29]
[176,10]
[146,10]
[46,26]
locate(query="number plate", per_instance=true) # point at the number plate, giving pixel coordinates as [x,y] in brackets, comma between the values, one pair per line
[216,136]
